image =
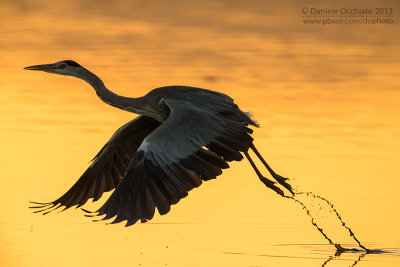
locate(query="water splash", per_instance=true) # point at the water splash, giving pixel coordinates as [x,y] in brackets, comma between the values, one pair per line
[282,186]
[339,248]
[338,216]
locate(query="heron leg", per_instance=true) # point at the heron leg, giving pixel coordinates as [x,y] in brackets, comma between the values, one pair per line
[281,180]
[267,182]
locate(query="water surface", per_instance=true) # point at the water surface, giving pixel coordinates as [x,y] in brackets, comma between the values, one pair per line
[326,98]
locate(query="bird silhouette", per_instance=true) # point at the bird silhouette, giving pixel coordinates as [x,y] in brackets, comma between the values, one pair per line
[182,136]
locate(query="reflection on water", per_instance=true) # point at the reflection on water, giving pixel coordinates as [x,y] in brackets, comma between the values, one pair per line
[326,98]
[318,251]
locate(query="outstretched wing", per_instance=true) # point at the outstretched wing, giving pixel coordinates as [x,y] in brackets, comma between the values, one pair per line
[190,146]
[107,168]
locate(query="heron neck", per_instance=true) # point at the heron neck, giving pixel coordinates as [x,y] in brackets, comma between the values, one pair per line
[126,103]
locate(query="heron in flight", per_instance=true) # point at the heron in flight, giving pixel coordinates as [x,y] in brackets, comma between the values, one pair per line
[182,136]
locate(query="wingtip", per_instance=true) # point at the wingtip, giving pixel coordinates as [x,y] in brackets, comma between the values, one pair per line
[40,203]
[90,213]
[131,222]
[46,209]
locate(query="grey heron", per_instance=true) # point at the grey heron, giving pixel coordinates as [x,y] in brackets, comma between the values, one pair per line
[182,136]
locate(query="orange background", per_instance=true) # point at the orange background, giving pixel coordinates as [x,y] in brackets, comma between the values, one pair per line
[326,97]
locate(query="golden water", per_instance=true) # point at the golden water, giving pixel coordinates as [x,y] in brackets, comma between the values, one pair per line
[327,99]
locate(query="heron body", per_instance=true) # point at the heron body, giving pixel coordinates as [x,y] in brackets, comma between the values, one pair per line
[182,136]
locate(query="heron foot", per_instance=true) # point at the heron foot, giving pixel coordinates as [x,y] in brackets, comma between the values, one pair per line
[271,184]
[282,180]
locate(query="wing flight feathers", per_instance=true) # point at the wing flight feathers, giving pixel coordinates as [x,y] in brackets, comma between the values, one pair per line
[107,167]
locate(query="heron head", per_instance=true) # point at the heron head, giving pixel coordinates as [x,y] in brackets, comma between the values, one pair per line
[65,67]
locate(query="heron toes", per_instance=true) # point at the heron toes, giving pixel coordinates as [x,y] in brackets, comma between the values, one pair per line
[282,180]
[271,184]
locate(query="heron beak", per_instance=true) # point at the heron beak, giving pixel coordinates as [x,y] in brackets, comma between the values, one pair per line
[42,67]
